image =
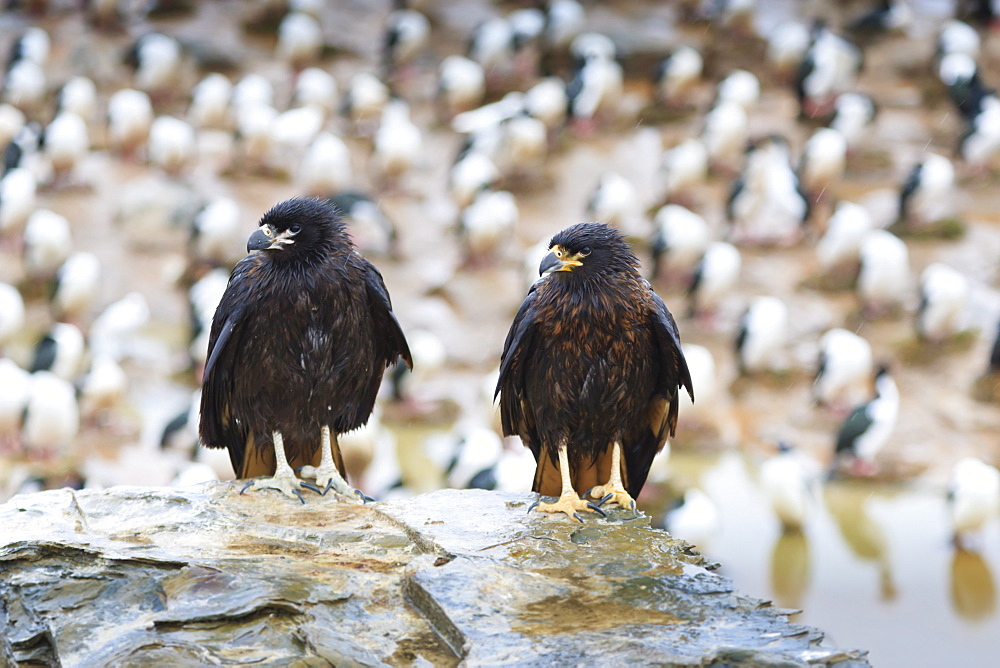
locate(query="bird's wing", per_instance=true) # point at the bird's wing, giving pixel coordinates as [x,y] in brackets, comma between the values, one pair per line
[217,428]
[389,339]
[516,415]
[661,410]
[856,424]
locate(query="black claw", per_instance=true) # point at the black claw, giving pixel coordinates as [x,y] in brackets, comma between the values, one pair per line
[634,508]
[329,485]
[299,469]
[587,493]
[364,497]
[246,486]
[578,518]
[605,499]
[299,494]
[533,506]
[596,509]
[311,487]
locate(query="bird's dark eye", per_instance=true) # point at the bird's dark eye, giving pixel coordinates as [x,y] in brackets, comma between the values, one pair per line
[294,229]
[585,252]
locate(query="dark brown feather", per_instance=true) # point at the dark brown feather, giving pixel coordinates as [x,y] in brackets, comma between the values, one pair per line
[593,357]
[299,341]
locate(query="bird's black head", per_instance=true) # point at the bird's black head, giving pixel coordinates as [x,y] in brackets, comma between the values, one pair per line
[302,227]
[586,249]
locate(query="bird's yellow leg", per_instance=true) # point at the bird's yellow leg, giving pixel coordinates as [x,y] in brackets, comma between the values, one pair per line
[569,501]
[284,479]
[614,491]
[327,476]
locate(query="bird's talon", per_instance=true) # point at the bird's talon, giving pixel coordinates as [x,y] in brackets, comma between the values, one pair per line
[364,497]
[249,483]
[578,518]
[533,506]
[299,494]
[311,487]
[597,509]
[604,499]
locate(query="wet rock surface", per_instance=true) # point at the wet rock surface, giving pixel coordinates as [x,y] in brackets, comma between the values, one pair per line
[194,576]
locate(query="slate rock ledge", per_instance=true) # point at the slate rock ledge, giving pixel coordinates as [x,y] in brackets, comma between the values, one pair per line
[136,576]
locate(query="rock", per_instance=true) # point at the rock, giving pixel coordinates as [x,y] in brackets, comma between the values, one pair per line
[135,576]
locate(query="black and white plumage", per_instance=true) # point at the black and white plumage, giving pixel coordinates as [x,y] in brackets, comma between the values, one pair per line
[763,336]
[547,102]
[472,171]
[213,238]
[492,46]
[853,117]
[787,43]
[461,84]
[11,313]
[156,59]
[406,34]
[130,115]
[884,278]
[830,67]
[823,161]
[927,195]
[973,496]
[79,96]
[888,16]
[486,224]
[398,142]
[766,203]
[979,144]
[869,426]
[724,135]
[24,86]
[277,397]
[211,103]
[364,99]
[678,75]
[959,72]
[786,482]
[316,87]
[300,39]
[47,243]
[51,415]
[60,351]
[944,299]
[596,87]
[172,145]
[839,247]
[613,200]
[682,168]
[680,238]
[741,87]
[18,188]
[956,36]
[66,144]
[844,369]
[715,277]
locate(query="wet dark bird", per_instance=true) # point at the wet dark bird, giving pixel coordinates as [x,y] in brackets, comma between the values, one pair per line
[590,372]
[298,346]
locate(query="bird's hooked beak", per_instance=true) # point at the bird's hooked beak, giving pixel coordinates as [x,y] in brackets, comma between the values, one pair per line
[265,238]
[558,259]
